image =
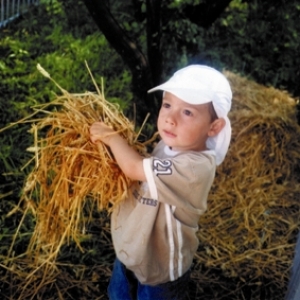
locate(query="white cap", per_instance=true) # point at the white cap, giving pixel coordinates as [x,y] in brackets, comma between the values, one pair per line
[199,84]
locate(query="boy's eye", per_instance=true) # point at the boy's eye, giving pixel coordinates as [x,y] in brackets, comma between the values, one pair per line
[165,105]
[187,112]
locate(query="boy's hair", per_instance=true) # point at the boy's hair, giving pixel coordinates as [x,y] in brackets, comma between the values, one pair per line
[212,112]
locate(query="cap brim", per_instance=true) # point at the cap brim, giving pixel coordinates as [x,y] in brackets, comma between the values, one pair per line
[161,87]
[191,96]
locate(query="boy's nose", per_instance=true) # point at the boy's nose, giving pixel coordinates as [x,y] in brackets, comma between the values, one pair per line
[170,118]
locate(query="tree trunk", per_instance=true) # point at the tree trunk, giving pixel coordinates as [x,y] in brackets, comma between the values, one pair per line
[130,53]
[154,39]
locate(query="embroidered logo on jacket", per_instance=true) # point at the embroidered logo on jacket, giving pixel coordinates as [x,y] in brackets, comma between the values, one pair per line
[162,167]
[143,200]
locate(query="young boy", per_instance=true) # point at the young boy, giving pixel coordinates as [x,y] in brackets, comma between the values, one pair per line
[154,232]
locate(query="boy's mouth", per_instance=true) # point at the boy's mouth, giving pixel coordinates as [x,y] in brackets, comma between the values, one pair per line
[169,134]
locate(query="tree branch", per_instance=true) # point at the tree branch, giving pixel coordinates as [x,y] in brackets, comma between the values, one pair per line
[127,49]
[154,39]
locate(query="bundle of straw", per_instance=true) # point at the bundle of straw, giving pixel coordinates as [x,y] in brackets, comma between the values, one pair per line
[70,172]
[249,231]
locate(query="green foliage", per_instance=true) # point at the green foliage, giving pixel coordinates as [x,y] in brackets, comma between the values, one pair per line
[61,54]
[259,39]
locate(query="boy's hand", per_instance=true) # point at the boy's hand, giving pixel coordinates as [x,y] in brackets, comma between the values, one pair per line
[100,132]
[128,159]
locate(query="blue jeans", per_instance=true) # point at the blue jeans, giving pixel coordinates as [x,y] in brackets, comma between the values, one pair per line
[293,291]
[124,285]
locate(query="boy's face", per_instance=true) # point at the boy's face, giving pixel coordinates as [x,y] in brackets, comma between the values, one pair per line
[184,126]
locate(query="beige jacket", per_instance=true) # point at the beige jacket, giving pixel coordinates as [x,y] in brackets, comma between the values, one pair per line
[154,231]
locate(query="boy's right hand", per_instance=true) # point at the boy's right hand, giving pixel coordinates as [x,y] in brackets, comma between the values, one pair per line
[128,159]
[100,132]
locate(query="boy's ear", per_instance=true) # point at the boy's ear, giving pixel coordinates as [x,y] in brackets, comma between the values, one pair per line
[216,126]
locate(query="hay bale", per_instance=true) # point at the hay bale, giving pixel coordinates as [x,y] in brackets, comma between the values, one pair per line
[249,231]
